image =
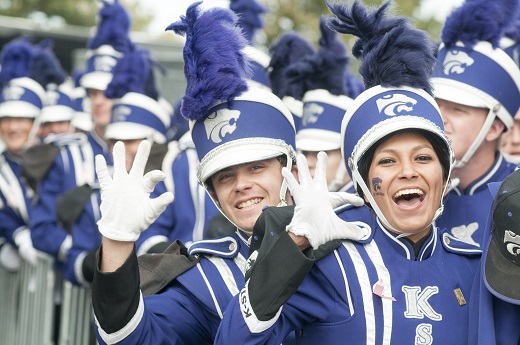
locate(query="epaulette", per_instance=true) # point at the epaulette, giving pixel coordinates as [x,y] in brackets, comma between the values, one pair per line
[454,245]
[351,213]
[225,247]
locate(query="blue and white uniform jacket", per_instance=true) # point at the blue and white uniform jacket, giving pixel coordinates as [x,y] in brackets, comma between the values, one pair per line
[15,198]
[371,292]
[74,166]
[187,311]
[466,211]
[188,216]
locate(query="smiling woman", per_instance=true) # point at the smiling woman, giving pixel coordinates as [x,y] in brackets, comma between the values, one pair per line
[391,287]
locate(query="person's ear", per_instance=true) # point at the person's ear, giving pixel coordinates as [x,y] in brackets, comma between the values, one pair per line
[214,196]
[495,131]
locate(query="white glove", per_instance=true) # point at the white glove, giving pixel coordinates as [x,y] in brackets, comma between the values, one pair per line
[9,258]
[314,217]
[338,199]
[22,238]
[126,207]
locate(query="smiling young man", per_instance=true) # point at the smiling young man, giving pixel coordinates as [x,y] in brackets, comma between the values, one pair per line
[477,88]
[240,167]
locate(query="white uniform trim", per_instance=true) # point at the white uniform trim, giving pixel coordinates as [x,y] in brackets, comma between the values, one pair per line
[116,337]
[366,290]
[210,289]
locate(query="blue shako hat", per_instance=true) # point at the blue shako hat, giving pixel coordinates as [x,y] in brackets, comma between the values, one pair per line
[396,63]
[22,95]
[82,118]
[325,101]
[231,122]
[510,42]
[289,49]
[47,71]
[249,14]
[108,45]
[135,115]
[472,70]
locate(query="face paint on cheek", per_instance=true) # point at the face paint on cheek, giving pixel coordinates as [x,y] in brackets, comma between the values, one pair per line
[376,186]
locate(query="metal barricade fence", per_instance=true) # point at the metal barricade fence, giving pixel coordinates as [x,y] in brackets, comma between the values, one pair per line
[76,325]
[9,293]
[28,304]
[28,297]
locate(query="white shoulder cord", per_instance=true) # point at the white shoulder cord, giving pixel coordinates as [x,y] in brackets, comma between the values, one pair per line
[12,190]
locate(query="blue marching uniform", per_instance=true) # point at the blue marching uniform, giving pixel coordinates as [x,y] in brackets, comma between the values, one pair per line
[16,198]
[463,214]
[187,311]
[375,291]
[492,320]
[188,216]
[74,166]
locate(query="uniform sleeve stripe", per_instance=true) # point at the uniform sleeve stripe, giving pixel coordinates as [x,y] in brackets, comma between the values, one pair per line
[149,243]
[78,269]
[116,337]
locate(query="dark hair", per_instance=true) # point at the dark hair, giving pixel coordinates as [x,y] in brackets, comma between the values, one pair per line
[438,146]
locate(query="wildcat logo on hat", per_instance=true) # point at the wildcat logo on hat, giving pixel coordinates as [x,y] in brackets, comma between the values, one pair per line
[104,63]
[512,242]
[13,93]
[456,62]
[311,113]
[120,113]
[395,104]
[52,97]
[221,123]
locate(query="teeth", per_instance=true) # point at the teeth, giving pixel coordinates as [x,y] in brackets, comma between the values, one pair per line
[408,191]
[249,203]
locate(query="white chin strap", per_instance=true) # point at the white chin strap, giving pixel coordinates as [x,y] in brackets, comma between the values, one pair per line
[283,188]
[31,138]
[356,176]
[337,183]
[478,140]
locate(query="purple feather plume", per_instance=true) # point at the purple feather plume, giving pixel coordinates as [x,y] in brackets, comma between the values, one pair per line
[113,28]
[326,68]
[129,75]
[46,68]
[215,67]
[15,59]
[249,16]
[479,20]
[287,50]
[354,86]
[513,30]
[392,52]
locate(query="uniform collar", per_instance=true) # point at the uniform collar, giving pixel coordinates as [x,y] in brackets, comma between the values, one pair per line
[481,183]
[405,248]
